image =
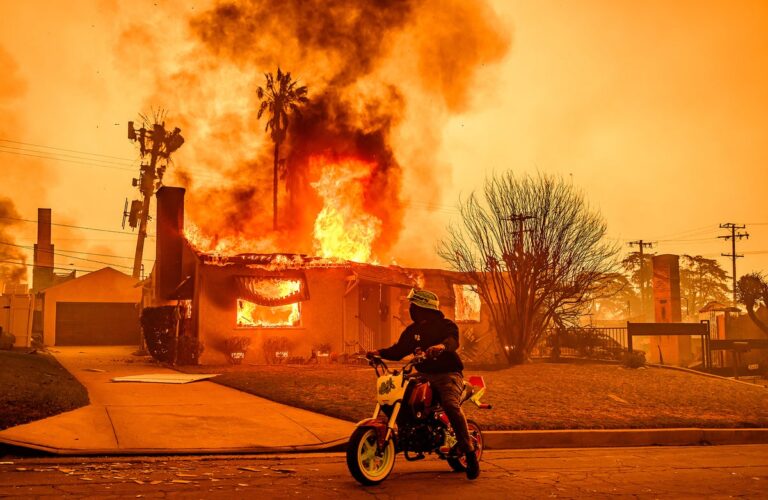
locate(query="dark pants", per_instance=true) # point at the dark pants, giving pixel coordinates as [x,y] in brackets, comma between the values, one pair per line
[449,387]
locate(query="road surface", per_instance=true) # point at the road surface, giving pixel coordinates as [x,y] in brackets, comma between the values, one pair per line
[651,472]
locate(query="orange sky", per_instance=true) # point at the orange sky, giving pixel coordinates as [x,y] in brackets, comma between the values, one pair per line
[657,110]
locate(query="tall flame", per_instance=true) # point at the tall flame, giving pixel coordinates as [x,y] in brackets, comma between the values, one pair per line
[343,229]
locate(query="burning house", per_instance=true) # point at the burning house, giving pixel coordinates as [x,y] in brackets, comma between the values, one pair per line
[290,252]
[301,304]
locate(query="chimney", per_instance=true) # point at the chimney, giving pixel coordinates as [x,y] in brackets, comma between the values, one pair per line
[42,272]
[170,240]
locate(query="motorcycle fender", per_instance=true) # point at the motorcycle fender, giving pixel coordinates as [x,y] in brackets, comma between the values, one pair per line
[380,426]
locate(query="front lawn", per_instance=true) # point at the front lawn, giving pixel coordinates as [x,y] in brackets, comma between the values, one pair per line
[35,386]
[532,396]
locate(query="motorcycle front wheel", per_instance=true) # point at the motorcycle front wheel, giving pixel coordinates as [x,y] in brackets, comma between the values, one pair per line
[459,464]
[366,465]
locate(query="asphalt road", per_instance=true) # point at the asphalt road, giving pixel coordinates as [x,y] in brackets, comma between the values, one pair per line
[651,472]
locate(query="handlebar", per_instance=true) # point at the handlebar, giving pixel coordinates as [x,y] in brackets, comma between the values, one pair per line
[378,361]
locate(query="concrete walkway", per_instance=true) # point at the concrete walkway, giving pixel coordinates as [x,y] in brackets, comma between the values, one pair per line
[151,418]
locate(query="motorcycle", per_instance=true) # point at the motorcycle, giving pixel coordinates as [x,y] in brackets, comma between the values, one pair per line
[408,419]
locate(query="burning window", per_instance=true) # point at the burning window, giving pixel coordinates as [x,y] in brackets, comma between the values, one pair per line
[467,303]
[269,302]
[251,315]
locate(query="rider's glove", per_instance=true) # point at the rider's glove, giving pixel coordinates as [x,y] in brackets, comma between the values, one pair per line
[371,354]
[435,350]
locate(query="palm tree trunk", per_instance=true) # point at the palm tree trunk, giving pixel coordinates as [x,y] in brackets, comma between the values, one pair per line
[274,188]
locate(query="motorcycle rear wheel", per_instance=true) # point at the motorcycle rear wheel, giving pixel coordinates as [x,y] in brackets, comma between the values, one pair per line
[459,464]
[365,465]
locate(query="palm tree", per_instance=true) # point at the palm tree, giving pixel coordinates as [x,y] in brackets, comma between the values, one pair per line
[280,97]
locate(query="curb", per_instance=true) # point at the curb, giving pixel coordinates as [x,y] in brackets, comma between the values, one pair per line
[591,438]
[335,445]
[494,440]
[696,372]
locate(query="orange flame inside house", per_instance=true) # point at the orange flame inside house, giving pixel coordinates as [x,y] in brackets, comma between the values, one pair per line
[250,314]
[343,229]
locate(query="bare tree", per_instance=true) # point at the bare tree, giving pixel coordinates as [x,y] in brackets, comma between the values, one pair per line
[535,252]
[752,291]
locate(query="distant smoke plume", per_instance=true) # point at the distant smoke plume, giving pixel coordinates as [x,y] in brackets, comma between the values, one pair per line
[9,272]
[371,66]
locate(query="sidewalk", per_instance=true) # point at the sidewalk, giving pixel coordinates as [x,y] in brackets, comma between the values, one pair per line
[150,418]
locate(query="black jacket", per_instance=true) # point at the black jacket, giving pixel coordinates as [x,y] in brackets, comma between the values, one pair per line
[425,334]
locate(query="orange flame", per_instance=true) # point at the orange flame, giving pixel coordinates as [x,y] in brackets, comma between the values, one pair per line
[250,314]
[225,246]
[343,229]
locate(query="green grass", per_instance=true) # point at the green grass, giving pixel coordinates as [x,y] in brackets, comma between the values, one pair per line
[35,386]
[532,396]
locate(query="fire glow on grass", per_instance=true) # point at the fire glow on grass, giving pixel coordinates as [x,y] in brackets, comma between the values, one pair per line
[252,315]
[343,229]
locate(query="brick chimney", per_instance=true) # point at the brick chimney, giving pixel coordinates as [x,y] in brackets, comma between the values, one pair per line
[170,240]
[42,272]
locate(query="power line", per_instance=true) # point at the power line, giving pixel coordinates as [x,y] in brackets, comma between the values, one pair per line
[78,157]
[688,232]
[48,267]
[64,149]
[64,255]
[197,172]
[684,240]
[69,225]
[63,159]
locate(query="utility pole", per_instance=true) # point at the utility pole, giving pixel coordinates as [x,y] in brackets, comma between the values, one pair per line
[733,237]
[641,245]
[158,144]
[520,219]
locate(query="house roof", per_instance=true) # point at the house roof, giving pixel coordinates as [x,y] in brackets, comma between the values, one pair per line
[93,276]
[394,276]
[388,275]
[717,306]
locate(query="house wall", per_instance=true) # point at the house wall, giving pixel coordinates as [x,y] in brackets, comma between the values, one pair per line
[216,307]
[478,342]
[16,317]
[105,285]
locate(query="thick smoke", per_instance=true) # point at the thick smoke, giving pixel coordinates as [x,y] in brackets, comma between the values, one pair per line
[12,89]
[371,67]
[9,272]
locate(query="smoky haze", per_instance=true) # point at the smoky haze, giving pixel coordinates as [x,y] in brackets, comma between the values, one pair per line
[9,272]
[382,78]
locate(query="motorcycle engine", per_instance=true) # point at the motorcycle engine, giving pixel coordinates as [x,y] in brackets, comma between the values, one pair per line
[421,437]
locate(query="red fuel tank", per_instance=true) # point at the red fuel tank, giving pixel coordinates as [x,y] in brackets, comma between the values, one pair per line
[420,400]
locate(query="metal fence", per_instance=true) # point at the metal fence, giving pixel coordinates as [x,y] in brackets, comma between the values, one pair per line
[588,342]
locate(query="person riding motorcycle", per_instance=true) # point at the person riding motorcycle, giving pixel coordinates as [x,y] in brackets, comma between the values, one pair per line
[431,332]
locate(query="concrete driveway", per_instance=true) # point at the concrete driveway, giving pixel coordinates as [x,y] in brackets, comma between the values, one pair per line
[152,418]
